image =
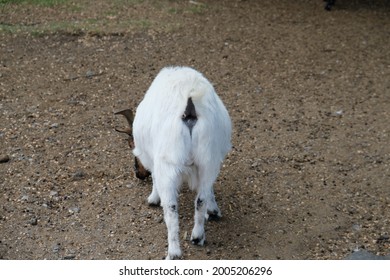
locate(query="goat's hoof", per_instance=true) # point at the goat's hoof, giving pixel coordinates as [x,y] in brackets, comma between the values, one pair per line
[199,241]
[173,255]
[168,257]
[154,204]
[153,200]
[213,215]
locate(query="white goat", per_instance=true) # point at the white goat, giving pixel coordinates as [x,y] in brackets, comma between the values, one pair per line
[181,132]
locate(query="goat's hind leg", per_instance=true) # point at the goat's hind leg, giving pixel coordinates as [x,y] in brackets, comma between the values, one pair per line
[206,208]
[167,186]
[198,235]
[204,201]
[171,218]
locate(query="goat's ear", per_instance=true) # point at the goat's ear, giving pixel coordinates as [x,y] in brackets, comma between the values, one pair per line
[128,113]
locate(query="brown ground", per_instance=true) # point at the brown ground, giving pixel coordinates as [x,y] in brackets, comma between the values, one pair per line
[308,92]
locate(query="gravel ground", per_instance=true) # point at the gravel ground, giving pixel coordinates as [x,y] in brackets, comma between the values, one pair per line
[309,96]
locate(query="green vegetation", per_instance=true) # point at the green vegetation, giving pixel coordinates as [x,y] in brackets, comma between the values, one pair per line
[40,17]
[45,3]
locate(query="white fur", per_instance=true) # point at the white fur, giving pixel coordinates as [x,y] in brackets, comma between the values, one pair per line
[165,146]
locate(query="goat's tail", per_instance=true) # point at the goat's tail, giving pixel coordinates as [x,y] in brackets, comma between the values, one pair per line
[196,92]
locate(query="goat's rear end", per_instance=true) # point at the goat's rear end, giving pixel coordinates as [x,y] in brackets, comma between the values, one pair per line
[182,132]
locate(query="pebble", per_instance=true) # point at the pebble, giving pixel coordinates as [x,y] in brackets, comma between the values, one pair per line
[4,158]
[74,209]
[383,239]
[69,257]
[53,193]
[54,125]
[365,255]
[56,248]
[356,227]
[34,221]
[79,175]
[89,74]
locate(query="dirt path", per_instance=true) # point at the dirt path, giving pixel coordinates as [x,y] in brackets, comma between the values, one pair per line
[308,92]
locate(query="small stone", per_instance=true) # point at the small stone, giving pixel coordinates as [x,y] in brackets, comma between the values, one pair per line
[74,209]
[79,175]
[54,125]
[53,193]
[24,198]
[69,257]
[56,248]
[89,74]
[383,239]
[4,158]
[356,227]
[365,255]
[34,221]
